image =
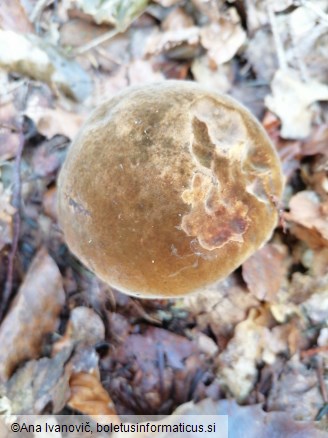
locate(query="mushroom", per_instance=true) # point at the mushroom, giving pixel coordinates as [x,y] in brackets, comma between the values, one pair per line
[167,188]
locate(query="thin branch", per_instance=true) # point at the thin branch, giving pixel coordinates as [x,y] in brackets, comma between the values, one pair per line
[277,39]
[97,41]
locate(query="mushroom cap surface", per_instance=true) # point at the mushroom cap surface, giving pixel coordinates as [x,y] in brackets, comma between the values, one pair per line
[167,188]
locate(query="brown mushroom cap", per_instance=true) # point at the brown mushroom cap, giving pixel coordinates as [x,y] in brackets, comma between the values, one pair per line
[167,188]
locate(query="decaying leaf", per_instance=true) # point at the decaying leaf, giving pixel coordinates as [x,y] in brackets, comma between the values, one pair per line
[253,419]
[40,383]
[291,100]
[182,43]
[31,56]
[221,306]
[50,122]
[218,78]
[252,344]
[84,328]
[296,391]
[88,396]
[119,13]
[33,314]
[307,210]
[222,40]
[264,271]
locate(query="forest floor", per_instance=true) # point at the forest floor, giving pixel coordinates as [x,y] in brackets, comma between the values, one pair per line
[68,342]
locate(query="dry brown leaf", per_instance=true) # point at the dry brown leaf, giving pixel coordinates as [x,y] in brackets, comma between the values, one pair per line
[182,43]
[88,396]
[40,383]
[50,122]
[141,72]
[222,40]
[307,210]
[217,78]
[31,56]
[221,306]
[317,143]
[32,315]
[13,17]
[177,19]
[296,391]
[291,101]
[84,327]
[264,271]
[253,419]
[119,13]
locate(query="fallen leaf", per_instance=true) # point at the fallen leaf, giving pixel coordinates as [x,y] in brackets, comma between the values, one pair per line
[219,78]
[33,313]
[84,328]
[296,392]
[264,271]
[222,40]
[39,383]
[141,72]
[182,43]
[253,419]
[39,60]
[307,210]
[14,17]
[291,100]
[221,307]
[88,396]
[119,13]
[50,122]
[177,19]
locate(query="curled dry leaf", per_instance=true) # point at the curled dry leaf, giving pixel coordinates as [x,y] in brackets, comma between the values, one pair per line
[291,101]
[307,210]
[88,396]
[33,314]
[50,122]
[178,44]
[264,271]
[39,60]
[222,40]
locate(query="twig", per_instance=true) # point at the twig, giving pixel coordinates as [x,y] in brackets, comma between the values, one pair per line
[277,39]
[97,41]
[321,379]
[314,351]
[37,10]
[16,203]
